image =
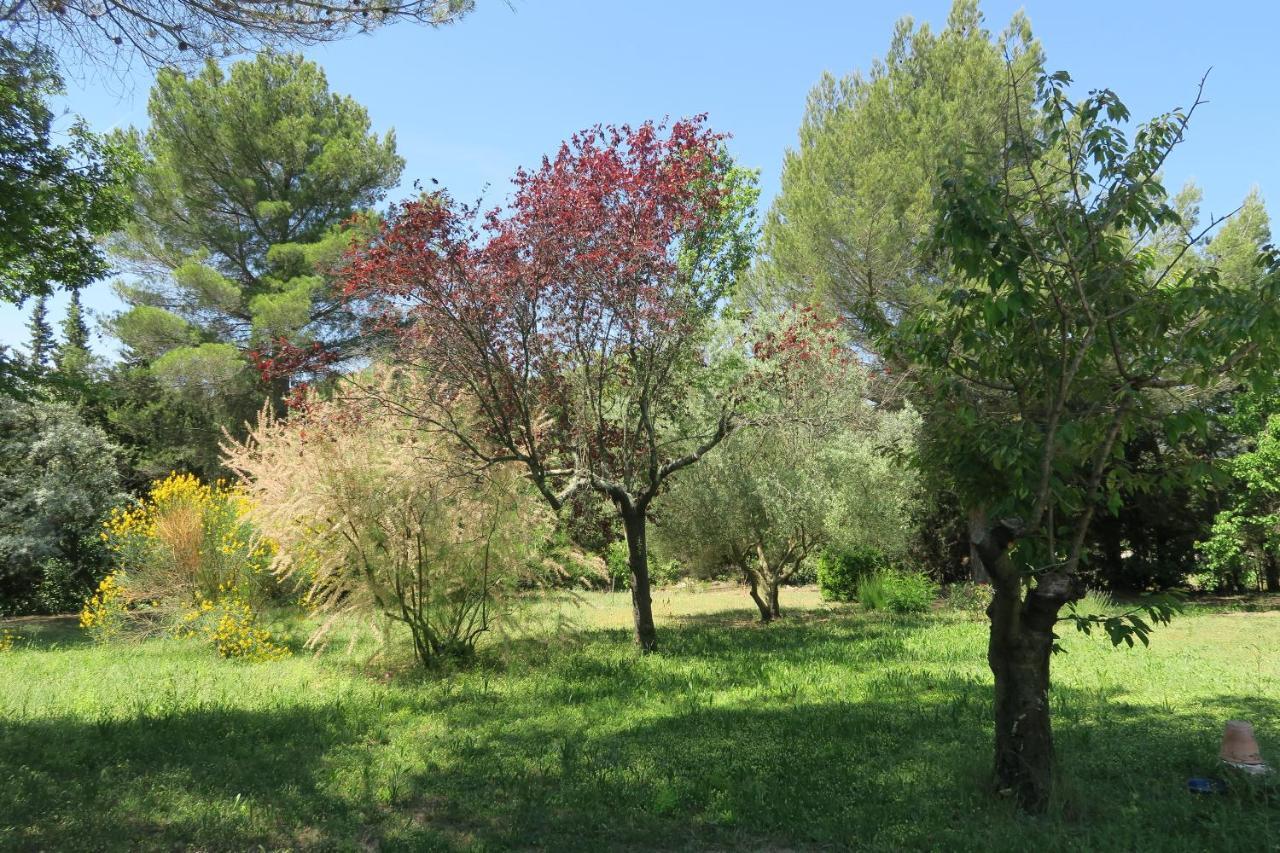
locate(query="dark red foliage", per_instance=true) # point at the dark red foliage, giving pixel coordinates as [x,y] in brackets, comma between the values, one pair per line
[577,284]
[285,360]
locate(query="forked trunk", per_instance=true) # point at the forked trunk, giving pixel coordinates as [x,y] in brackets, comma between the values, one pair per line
[633,522]
[1018,652]
[770,577]
[753,587]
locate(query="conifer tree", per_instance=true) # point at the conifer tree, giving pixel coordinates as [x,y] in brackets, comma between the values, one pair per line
[73,355]
[249,183]
[41,346]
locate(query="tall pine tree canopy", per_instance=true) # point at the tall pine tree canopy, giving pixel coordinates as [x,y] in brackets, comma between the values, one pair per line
[252,182]
[856,204]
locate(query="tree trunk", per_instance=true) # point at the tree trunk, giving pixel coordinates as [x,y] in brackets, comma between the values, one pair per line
[1019,660]
[278,393]
[1272,567]
[774,612]
[1018,653]
[977,570]
[753,587]
[633,522]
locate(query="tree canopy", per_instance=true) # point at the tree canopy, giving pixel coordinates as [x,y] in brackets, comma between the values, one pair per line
[1074,302]
[575,321]
[849,227]
[60,189]
[170,32]
[243,204]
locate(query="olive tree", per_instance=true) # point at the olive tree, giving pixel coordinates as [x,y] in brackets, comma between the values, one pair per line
[818,465]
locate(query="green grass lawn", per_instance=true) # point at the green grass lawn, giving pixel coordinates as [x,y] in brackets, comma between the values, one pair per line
[833,729]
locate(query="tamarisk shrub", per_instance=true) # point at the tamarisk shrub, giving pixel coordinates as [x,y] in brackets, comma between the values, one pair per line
[378,517]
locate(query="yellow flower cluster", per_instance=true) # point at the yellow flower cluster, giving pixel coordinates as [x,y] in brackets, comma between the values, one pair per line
[186,541]
[103,614]
[176,490]
[231,625]
[7,639]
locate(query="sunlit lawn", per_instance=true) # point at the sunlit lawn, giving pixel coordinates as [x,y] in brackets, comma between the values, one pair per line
[833,729]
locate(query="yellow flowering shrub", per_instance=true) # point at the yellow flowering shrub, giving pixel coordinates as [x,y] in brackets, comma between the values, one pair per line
[187,561]
[7,640]
[188,538]
[104,614]
[230,625]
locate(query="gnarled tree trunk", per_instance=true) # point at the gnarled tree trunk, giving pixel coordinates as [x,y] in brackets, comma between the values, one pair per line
[753,587]
[633,522]
[768,576]
[1018,652]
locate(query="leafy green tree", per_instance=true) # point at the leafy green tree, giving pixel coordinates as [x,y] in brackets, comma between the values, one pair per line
[1243,548]
[243,205]
[819,468]
[56,195]
[1171,492]
[163,430]
[1065,314]
[58,477]
[41,347]
[849,229]
[167,33]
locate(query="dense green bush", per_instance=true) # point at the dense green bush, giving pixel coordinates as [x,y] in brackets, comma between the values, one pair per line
[839,571]
[58,477]
[969,597]
[804,574]
[662,572]
[897,591]
[665,572]
[615,560]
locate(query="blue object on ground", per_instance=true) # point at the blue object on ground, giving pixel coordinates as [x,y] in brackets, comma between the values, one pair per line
[1202,785]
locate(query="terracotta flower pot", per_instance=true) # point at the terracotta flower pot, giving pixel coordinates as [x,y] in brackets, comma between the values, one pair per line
[1239,748]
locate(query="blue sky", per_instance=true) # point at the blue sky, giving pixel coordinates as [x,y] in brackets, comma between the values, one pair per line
[471,102]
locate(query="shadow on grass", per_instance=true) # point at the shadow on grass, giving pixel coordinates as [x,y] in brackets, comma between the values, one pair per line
[47,632]
[903,772]
[597,748]
[220,779]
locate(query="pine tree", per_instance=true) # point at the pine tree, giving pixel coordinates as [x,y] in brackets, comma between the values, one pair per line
[41,346]
[73,355]
[249,180]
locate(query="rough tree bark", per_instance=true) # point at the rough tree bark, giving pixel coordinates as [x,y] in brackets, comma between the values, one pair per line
[1018,652]
[977,570]
[770,577]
